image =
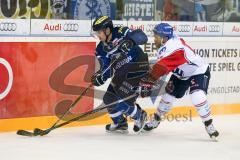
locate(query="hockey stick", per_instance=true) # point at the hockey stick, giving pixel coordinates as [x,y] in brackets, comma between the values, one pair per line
[26,133]
[39,132]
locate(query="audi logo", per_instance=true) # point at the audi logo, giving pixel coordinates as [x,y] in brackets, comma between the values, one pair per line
[118,25]
[71,27]
[8,26]
[184,28]
[214,28]
[150,27]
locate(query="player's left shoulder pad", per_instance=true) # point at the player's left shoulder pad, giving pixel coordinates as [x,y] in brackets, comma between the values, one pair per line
[137,36]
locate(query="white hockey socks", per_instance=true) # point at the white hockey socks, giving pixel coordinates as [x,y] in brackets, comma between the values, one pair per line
[199,100]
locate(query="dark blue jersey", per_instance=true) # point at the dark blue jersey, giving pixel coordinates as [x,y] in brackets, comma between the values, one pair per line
[118,34]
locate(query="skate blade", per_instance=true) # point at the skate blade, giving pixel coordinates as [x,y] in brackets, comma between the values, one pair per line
[141,130]
[214,138]
[147,131]
[118,132]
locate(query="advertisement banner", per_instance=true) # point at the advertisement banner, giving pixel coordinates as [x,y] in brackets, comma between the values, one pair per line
[15,27]
[146,26]
[60,27]
[182,28]
[207,29]
[25,9]
[44,78]
[117,23]
[231,29]
[35,9]
[139,10]
[44,27]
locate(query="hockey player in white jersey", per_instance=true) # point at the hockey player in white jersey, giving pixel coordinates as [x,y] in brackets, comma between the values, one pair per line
[188,71]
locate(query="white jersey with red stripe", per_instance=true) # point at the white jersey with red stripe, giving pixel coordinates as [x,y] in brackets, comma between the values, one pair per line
[180,59]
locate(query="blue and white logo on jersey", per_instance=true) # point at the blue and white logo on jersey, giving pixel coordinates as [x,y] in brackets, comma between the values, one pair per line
[91,9]
[123,62]
[161,50]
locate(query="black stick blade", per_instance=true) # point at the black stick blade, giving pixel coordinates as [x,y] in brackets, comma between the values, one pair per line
[38,132]
[25,133]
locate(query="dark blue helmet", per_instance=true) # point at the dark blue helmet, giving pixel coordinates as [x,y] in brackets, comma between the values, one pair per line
[102,22]
[163,30]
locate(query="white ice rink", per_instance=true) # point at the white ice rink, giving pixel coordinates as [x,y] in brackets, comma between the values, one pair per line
[171,141]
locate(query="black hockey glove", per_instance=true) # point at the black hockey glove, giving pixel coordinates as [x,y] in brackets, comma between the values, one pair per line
[125,45]
[97,79]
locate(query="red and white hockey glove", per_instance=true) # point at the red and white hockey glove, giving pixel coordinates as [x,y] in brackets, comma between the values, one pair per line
[146,86]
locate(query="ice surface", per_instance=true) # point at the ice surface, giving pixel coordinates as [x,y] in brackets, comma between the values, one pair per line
[171,141]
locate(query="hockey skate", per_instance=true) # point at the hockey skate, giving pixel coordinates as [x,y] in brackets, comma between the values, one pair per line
[121,127]
[212,132]
[153,123]
[140,122]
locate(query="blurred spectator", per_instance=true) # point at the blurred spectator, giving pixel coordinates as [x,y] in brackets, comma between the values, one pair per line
[159,10]
[207,10]
[184,16]
[186,9]
[200,12]
[120,9]
[59,9]
[170,11]
[214,9]
[231,13]
[221,10]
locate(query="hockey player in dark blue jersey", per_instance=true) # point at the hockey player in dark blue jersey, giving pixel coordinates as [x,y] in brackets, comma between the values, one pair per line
[124,61]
